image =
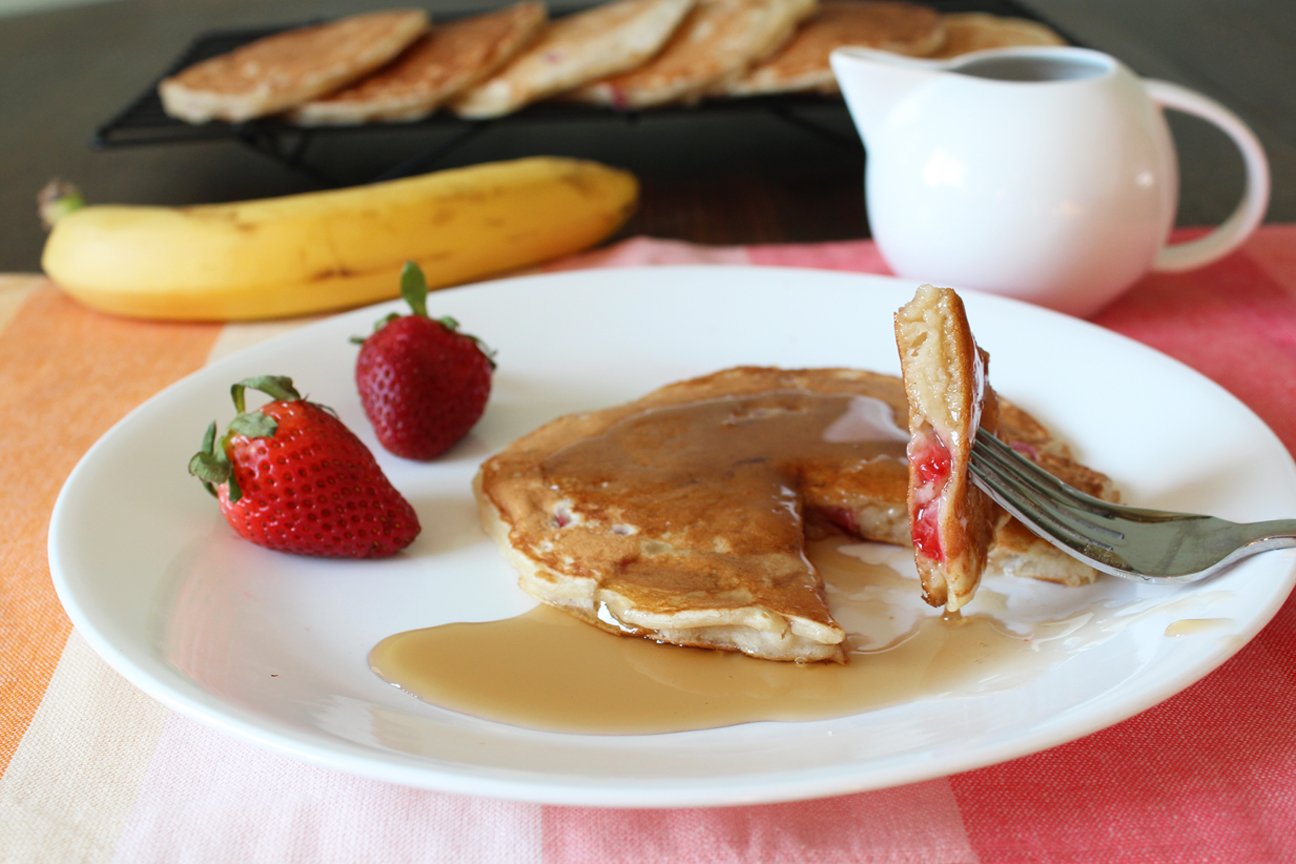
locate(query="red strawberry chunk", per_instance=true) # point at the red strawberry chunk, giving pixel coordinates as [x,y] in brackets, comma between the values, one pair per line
[843,519]
[926,533]
[932,463]
[930,459]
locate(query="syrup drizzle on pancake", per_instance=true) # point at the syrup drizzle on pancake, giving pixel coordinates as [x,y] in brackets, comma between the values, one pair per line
[682,516]
[714,489]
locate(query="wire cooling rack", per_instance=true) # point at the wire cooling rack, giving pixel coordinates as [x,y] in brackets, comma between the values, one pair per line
[143,122]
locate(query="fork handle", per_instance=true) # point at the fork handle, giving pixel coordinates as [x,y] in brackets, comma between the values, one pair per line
[1256,537]
[1276,534]
[1274,529]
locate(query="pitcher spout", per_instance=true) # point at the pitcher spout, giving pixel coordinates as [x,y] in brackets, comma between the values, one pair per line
[873,83]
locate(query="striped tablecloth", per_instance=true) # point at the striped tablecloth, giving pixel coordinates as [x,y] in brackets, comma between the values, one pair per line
[95,771]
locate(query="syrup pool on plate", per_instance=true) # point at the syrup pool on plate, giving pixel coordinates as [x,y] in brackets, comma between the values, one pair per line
[546,670]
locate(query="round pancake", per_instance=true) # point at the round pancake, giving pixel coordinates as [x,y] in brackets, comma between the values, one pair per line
[579,48]
[978,31]
[680,516]
[719,41]
[280,71]
[445,60]
[802,64]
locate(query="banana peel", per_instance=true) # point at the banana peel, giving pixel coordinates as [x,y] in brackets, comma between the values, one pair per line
[321,251]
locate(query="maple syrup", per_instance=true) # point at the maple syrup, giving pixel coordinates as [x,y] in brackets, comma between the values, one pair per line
[546,670]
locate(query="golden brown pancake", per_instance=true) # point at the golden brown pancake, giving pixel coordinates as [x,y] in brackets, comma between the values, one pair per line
[718,42]
[802,64]
[681,517]
[574,50]
[445,60]
[979,31]
[280,71]
[950,399]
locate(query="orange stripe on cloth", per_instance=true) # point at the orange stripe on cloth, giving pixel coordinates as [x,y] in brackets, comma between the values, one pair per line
[66,375]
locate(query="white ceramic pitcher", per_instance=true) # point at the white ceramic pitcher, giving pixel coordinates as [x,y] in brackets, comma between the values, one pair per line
[1046,174]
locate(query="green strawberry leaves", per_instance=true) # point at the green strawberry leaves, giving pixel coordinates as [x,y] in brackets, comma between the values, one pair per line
[277,387]
[56,200]
[254,425]
[378,325]
[211,465]
[414,290]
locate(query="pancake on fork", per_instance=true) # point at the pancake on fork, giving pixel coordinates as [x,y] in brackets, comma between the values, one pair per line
[718,42]
[286,69]
[579,48]
[802,64]
[950,400]
[445,60]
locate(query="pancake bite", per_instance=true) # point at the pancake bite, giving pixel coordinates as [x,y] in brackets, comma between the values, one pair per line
[950,401]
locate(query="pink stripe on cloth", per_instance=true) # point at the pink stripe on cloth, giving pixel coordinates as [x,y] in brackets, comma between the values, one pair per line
[647,251]
[859,256]
[856,256]
[210,798]
[1273,247]
[917,824]
[1209,775]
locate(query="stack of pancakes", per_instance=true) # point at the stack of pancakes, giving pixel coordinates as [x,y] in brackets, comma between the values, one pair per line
[396,66]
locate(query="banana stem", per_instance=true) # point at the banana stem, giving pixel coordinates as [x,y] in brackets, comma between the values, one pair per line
[56,200]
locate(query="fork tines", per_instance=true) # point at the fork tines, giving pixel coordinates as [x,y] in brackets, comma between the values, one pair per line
[1041,501]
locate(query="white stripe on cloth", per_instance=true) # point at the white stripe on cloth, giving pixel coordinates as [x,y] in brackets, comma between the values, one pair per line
[77,773]
[235,337]
[210,798]
[915,824]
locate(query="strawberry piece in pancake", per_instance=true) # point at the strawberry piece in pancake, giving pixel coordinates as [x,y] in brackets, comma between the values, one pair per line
[952,521]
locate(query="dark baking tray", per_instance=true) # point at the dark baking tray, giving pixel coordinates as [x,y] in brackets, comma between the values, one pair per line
[144,122]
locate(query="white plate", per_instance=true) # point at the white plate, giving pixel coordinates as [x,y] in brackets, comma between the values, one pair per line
[273,648]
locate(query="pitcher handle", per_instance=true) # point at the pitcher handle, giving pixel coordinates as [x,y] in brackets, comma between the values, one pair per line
[1255,199]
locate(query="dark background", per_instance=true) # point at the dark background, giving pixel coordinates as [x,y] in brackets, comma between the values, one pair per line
[714,177]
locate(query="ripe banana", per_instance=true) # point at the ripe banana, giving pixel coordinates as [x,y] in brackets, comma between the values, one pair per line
[330,250]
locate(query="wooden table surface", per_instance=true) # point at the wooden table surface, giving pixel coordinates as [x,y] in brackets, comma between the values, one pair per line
[746,177]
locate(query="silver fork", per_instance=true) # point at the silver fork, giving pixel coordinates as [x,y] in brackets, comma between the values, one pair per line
[1152,545]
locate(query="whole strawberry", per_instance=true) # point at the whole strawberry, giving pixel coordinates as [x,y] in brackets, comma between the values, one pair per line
[290,476]
[422,383]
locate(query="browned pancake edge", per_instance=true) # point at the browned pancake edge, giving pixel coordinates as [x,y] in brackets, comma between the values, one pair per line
[280,71]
